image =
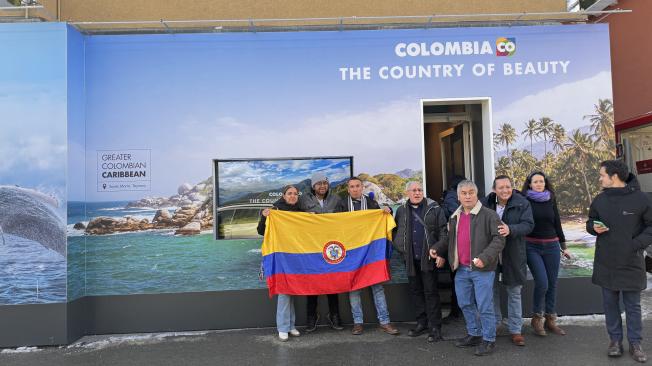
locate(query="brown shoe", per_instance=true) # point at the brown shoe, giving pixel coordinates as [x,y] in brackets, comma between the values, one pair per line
[518,339]
[551,324]
[357,329]
[387,328]
[537,325]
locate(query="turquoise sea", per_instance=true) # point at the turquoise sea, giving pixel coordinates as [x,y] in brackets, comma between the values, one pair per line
[157,261]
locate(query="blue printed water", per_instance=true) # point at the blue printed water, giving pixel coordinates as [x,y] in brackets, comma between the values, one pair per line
[158,261]
[30,273]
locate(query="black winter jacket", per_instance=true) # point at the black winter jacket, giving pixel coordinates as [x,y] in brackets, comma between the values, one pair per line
[518,216]
[278,205]
[436,230]
[619,264]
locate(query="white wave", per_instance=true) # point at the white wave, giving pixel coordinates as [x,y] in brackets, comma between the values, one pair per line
[256,251]
[71,231]
[140,217]
[133,232]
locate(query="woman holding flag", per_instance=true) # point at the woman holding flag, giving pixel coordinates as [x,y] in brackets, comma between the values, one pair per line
[285,315]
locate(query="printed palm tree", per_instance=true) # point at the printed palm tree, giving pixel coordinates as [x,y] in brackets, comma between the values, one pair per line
[602,123]
[496,141]
[546,128]
[506,136]
[582,148]
[558,137]
[531,131]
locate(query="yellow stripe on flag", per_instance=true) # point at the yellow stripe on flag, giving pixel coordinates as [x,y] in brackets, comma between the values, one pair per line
[300,232]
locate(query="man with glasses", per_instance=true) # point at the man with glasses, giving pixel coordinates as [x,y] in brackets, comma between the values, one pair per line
[421,224]
[321,200]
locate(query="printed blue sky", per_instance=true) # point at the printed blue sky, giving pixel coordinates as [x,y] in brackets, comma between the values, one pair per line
[243,176]
[196,97]
[33,105]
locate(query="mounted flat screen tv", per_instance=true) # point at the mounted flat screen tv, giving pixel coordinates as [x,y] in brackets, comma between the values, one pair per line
[245,187]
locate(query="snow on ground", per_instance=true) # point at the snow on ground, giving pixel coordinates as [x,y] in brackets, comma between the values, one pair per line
[20,350]
[106,341]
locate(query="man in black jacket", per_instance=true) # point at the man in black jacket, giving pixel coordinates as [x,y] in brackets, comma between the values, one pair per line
[420,224]
[621,217]
[516,215]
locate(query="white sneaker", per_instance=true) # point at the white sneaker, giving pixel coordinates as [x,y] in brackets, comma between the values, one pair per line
[283,336]
[295,333]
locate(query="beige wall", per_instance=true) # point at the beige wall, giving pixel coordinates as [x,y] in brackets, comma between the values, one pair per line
[87,10]
[132,10]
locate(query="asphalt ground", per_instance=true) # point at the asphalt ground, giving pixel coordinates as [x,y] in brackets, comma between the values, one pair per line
[585,344]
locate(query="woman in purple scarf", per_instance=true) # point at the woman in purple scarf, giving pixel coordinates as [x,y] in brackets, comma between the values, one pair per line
[544,247]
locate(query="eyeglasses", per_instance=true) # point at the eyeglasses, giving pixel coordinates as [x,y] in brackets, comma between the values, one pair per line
[416,190]
[322,183]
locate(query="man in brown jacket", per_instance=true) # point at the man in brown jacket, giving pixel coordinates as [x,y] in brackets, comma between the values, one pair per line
[474,245]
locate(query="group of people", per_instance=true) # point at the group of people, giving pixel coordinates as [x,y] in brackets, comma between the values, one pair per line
[489,243]
[322,200]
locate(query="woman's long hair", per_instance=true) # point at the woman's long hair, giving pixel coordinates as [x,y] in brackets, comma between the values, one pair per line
[528,181]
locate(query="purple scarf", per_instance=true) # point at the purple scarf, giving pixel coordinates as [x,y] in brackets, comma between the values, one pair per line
[538,196]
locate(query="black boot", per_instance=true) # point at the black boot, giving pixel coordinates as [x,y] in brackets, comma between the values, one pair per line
[334,321]
[468,341]
[418,330]
[435,335]
[485,348]
[311,323]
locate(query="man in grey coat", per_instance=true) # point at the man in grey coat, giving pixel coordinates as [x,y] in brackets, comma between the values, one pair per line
[474,244]
[320,200]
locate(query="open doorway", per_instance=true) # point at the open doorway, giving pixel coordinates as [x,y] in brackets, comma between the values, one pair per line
[457,141]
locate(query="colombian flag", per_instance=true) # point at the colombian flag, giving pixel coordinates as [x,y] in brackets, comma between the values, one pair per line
[310,254]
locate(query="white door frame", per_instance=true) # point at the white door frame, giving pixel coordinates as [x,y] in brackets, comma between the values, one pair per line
[487,136]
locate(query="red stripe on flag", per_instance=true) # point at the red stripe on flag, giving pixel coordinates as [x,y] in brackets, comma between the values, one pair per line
[329,283]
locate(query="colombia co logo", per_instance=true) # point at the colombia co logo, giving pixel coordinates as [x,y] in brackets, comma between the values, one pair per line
[334,252]
[505,46]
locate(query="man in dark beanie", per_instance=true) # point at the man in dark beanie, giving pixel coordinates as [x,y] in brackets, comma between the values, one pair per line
[320,200]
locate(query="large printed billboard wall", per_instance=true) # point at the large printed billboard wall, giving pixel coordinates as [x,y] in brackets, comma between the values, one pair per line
[33,151]
[159,108]
[166,105]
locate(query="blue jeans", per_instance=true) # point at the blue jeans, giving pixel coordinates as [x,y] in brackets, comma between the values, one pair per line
[611,303]
[543,261]
[379,300]
[514,309]
[476,287]
[285,316]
